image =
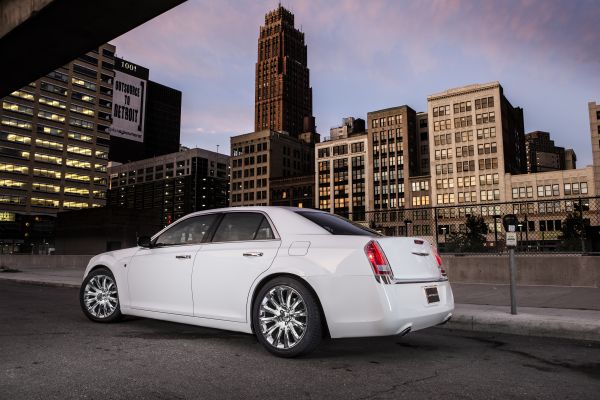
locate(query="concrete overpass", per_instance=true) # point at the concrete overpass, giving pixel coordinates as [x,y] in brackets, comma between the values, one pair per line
[38,36]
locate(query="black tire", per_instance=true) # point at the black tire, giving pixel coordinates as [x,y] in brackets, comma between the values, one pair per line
[313,321]
[103,303]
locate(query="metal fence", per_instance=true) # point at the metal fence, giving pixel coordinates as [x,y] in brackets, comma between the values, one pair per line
[565,225]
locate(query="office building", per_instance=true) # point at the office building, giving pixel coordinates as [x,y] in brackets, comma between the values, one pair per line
[176,184]
[293,192]
[54,148]
[342,165]
[391,135]
[476,137]
[283,92]
[282,145]
[146,119]
[259,157]
[594,115]
[542,155]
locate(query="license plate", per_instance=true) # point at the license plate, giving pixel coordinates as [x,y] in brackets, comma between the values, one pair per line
[432,295]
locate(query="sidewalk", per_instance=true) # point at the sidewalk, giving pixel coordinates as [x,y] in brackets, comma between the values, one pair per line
[552,311]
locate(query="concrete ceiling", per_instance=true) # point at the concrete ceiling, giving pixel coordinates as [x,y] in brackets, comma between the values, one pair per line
[38,36]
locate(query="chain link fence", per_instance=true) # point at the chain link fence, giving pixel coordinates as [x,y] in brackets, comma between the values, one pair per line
[567,225]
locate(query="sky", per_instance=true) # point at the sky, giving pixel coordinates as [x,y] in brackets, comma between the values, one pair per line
[368,55]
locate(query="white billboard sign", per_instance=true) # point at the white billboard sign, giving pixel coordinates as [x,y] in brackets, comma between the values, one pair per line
[129,101]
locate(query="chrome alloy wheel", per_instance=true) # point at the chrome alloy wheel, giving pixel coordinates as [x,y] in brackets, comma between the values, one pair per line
[100,296]
[283,317]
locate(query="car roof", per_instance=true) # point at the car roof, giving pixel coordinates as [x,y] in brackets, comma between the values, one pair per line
[286,219]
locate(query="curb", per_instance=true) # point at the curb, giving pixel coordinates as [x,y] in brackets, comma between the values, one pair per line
[40,283]
[526,325]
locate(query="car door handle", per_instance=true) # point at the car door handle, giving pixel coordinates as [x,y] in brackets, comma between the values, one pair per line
[253,254]
[184,257]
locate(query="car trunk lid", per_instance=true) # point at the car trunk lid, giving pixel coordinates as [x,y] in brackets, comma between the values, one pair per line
[410,258]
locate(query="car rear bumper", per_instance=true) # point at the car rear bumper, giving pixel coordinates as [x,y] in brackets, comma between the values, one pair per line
[358,306]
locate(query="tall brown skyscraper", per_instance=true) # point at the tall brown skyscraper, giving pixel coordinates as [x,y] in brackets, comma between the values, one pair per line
[283,94]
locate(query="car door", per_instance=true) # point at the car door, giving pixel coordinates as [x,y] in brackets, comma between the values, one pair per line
[243,246]
[160,277]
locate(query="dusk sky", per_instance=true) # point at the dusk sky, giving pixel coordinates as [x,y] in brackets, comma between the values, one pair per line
[368,55]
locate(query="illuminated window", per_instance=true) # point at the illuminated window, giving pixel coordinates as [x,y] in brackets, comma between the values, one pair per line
[11,183]
[77,191]
[40,202]
[16,169]
[22,94]
[47,173]
[48,144]
[13,137]
[77,177]
[84,83]
[19,108]
[52,102]
[79,150]
[45,187]
[48,130]
[80,136]
[82,110]
[51,116]
[17,123]
[6,216]
[47,158]
[75,204]
[78,164]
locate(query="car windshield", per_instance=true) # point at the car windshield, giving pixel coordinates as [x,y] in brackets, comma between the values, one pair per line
[337,225]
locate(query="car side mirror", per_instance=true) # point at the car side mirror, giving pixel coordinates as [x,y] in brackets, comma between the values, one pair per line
[144,241]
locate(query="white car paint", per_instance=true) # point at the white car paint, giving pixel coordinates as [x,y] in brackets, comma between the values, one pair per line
[214,287]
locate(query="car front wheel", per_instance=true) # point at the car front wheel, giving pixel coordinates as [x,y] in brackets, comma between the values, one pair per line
[286,318]
[99,297]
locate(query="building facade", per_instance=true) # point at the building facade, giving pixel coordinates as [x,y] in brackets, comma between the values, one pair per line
[292,192]
[350,126]
[542,155]
[283,96]
[594,115]
[391,136]
[158,109]
[259,157]
[54,145]
[476,137]
[342,166]
[176,184]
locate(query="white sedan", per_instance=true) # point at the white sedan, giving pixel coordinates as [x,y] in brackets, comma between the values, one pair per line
[290,276]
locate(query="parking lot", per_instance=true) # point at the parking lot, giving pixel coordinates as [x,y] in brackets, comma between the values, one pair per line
[50,350]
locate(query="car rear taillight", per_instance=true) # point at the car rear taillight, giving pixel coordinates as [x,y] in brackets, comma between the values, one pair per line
[381,267]
[438,258]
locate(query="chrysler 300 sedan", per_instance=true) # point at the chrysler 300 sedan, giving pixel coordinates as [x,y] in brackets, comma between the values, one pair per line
[288,275]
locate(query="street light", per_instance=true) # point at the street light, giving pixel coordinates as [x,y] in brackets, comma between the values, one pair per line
[406,223]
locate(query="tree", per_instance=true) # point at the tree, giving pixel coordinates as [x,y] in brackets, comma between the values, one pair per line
[572,232]
[472,240]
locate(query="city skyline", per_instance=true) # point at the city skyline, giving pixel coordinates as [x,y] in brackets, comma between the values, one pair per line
[367,57]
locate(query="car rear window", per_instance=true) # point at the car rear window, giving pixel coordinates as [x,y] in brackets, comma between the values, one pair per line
[337,225]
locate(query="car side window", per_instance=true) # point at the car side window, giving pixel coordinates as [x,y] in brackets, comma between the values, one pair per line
[189,231]
[242,226]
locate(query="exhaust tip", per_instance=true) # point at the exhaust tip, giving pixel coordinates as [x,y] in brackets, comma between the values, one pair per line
[405,331]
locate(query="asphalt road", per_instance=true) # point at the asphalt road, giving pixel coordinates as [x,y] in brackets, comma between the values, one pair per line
[48,349]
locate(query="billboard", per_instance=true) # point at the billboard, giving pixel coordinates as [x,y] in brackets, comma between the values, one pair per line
[129,100]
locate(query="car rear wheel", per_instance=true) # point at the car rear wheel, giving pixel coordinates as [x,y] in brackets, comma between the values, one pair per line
[286,318]
[99,297]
